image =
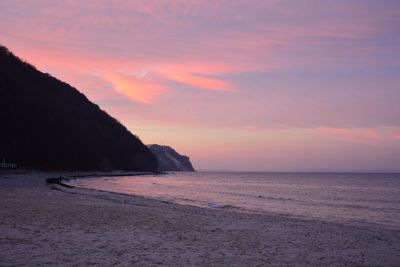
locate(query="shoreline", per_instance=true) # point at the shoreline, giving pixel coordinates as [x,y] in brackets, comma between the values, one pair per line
[240,210]
[230,207]
[77,226]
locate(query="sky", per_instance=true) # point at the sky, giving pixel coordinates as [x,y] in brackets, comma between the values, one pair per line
[235,84]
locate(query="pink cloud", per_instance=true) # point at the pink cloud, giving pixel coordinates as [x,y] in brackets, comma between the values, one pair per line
[344,132]
[335,28]
[135,88]
[356,135]
[197,81]
[396,135]
[372,133]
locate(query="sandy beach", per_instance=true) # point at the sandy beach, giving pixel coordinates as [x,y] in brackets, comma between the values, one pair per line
[43,225]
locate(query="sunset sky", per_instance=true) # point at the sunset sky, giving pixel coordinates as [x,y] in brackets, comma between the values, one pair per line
[235,85]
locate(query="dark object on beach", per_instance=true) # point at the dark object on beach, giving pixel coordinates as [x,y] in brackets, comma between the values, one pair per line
[54,180]
[59,181]
[47,124]
[170,160]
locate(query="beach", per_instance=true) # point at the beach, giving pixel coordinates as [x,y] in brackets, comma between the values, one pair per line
[43,225]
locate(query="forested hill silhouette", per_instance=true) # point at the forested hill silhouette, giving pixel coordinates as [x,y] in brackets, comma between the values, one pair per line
[47,124]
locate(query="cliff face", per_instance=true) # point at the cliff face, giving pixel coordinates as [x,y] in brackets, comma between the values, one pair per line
[170,160]
[47,124]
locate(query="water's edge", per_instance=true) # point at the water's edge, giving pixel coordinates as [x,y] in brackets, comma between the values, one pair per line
[77,182]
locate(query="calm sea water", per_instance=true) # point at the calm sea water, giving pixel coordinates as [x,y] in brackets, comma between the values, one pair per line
[362,198]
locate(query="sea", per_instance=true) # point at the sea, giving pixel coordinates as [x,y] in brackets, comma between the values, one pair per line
[354,198]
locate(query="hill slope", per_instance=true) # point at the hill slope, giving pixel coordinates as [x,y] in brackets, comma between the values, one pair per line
[170,160]
[47,124]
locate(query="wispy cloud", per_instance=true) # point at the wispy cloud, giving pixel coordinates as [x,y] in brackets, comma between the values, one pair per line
[368,136]
[135,88]
[196,81]
[396,135]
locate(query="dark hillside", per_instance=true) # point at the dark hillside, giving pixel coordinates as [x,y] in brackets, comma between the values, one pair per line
[47,124]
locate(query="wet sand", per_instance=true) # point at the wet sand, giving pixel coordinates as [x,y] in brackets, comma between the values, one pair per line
[43,225]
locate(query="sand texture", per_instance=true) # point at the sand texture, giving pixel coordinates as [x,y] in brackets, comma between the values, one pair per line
[40,226]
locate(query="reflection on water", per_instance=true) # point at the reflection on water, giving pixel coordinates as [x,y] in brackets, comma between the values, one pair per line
[352,197]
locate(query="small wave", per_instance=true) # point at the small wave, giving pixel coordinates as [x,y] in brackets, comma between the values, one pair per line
[257,196]
[280,198]
[219,206]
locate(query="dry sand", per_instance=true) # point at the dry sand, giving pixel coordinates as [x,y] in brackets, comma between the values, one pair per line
[40,226]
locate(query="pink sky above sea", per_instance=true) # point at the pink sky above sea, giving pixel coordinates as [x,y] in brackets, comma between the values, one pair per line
[236,85]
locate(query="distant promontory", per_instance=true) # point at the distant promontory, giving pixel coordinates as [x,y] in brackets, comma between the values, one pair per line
[170,160]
